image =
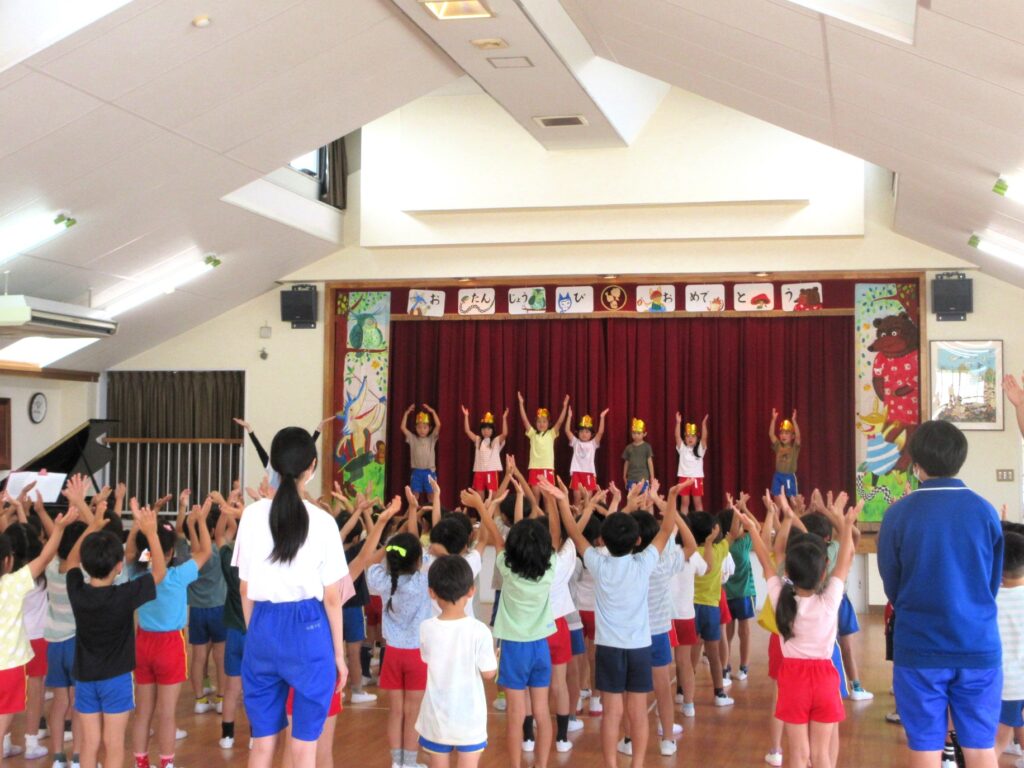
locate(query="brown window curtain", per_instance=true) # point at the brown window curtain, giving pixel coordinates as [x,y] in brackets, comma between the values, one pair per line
[336,176]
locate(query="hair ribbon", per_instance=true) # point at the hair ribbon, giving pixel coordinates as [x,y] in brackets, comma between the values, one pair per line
[395,548]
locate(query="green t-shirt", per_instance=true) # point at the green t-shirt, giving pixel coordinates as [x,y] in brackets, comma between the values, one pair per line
[707,589]
[233,616]
[636,457]
[741,583]
[785,457]
[542,448]
[524,611]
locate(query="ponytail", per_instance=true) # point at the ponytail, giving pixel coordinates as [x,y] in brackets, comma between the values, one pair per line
[291,453]
[785,610]
[806,558]
[403,554]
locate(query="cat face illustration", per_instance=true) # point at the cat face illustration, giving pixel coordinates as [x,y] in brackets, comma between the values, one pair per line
[564,302]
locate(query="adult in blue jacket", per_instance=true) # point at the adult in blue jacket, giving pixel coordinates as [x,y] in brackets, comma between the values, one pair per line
[940,554]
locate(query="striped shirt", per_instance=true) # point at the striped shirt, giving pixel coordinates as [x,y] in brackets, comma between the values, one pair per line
[659,592]
[1010,604]
[60,621]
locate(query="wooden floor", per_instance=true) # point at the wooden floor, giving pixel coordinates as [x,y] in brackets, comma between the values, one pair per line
[733,736]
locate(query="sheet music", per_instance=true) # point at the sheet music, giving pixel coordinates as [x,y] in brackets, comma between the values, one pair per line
[48,484]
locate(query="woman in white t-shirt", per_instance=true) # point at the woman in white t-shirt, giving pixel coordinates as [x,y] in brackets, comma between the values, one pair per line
[290,564]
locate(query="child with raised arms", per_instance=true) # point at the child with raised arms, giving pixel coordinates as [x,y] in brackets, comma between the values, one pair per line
[584,443]
[691,452]
[542,440]
[422,447]
[487,456]
[739,592]
[786,446]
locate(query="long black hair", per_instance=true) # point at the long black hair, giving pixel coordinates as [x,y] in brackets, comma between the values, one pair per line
[528,549]
[25,545]
[806,559]
[291,453]
[403,554]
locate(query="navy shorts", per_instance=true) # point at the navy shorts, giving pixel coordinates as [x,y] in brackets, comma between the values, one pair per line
[60,658]
[111,697]
[524,664]
[234,651]
[781,480]
[494,608]
[847,618]
[578,641]
[206,625]
[709,622]
[353,624]
[420,480]
[288,645]
[447,749]
[972,696]
[618,670]
[1010,713]
[741,607]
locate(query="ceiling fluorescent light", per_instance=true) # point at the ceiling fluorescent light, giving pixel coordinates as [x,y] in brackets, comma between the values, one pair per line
[1013,253]
[148,291]
[489,43]
[459,9]
[1011,187]
[31,232]
[510,62]
[42,350]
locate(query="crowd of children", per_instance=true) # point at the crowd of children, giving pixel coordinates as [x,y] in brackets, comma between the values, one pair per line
[605,595]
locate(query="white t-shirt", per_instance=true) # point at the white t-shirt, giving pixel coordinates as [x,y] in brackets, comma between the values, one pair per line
[659,591]
[1010,604]
[454,707]
[34,611]
[488,455]
[681,586]
[561,599]
[585,586]
[583,455]
[728,568]
[689,464]
[476,564]
[319,562]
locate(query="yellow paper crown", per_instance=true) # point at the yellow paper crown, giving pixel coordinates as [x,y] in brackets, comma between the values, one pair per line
[542,413]
[586,421]
[691,429]
[488,418]
[422,417]
[637,425]
[786,426]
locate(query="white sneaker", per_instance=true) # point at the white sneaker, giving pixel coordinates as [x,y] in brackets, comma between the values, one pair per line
[48,695]
[500,703]
[948,764]
[563,746]
[575,724]
[688,710]
[773,758]
[726,681]
[529,745]
[668,747]
[724,701]
[228,742]
[11,749]
[625,747]
[69,736]
[859,694]
[34,752]
[202,706]
[43,733]
[362,697]
[741,674]
[680,698]
[59,764]
[218,704]
[368,680]
[677,729]
[180,734]
[595,707]
[1012,749]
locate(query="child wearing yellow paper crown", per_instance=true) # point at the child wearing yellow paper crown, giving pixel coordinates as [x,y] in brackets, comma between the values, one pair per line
[787,450]
[487,459]
[542,441]
[422,448]
[638,457]
[691,461]
[584,447]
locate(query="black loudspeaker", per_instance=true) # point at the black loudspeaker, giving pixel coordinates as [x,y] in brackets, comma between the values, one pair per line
[299,305]
[952,296]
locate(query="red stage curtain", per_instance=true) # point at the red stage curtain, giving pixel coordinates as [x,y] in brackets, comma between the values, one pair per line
[735,369]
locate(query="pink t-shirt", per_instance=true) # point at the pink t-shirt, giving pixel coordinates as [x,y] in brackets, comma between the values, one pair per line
[816,623]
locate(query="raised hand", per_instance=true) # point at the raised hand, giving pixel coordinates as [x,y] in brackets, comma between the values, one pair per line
[679,418]
[465,411]
[1014,391]
[410,497]
[243,424]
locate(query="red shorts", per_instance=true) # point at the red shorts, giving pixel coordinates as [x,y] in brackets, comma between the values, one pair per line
[697,489]
[12,690]
[673,638]
[686,631]
[485,481]
[332,712]
[723,609]
[585,480]
[809,690]
[774,655]
[37,666]
[404,670]
[160,657]
[560,642]
[374,609]
[534,476]
[589,627]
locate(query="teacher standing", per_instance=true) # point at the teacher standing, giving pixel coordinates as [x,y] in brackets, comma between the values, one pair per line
[290,563]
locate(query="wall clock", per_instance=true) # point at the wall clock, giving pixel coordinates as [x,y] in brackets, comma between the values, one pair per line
[37,408]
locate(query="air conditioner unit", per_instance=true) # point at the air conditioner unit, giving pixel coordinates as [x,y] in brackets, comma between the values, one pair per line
[28,316]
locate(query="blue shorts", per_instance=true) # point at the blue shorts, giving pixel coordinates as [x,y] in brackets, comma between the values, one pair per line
[524,665]
[641,483]
[781,480]
[420,481]
[837,662]
[234,651]
[1010,713]
[925,696]
[741,607]
[60,658]
[661,650]
[206,625]
[709,622]
[618,670]
[848,624]
[353,626]
[447,749]
[578,641]
[288,645]
[111,697]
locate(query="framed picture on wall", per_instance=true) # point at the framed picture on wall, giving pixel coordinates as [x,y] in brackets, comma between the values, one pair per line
[967,383]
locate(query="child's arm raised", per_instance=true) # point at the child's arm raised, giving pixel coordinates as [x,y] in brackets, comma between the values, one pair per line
[437,419]
[465,425]
[42,514]
[561,416]
[771,427]
[412,523]
[760,549]
[504,426]
[522,412]
[367,554]
[796,429]
[668,521]
[704,433]
[568,426]
[689,543]
[38,565]
[582,545]
[600,427]
[74,492]
[202,547]
[471,498]
[679,429]
[146,521]
[844,560]
[435,502]
[183,508]
[405,419]
[552,496]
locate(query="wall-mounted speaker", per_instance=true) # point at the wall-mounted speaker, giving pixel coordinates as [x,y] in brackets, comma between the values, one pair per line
[299,306]
[952,296]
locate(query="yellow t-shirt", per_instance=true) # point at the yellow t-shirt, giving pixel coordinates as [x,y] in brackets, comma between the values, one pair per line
[542,448]
[15,649]
[766,618]
[707,589]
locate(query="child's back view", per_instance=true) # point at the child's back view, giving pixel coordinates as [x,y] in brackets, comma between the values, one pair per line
[1010,603]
